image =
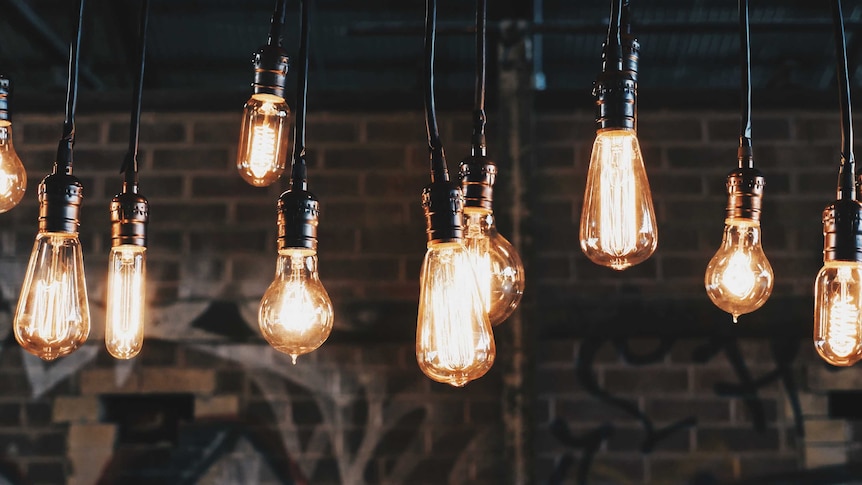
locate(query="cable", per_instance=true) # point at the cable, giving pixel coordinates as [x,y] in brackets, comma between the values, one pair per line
[438,160]
[479,119]
[846,177]
[298,172]
[745,154]
[279,15]
[64,149]
[130,163]
[613,44]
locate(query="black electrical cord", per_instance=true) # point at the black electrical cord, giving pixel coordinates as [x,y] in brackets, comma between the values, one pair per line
[67,142]
[745,153]
[438,160]
[479,119]
[279,15]
[846,177]
[298,174]
[130,163]
[613,44]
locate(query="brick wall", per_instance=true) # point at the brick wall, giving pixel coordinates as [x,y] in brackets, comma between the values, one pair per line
[604,407]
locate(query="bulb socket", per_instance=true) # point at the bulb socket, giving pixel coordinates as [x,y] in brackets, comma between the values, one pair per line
[745,194]
[5,90]
[60,197]
[270,70]
[842,231]
[130,214]
[616,100]
[298,216]
[443,203]
[478,174]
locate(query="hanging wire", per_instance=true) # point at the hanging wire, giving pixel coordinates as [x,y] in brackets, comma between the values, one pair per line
[64,149]
[130,162]
[277,22]
[846,177]
[613,44]
[298,172]
[745,153]
[438,160]
[479,119]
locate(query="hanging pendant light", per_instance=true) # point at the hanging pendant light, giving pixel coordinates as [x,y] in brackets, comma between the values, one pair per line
[295,313]
[127,263]
[498,265]
[454,340]
[52,318]
[838,287]
[13,177]
[739,278]
[263,138]
[618,225]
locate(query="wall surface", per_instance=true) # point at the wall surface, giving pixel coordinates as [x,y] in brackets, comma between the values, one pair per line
[627,378]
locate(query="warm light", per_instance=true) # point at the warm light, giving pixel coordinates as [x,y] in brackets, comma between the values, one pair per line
[739,278]
[124,328]
[837,312]
[454,341]
[498,266]
[53,316]
[295,313]
[13,177]
[618,227]
[263,139]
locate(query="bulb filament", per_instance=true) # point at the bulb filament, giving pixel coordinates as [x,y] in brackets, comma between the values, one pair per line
[843,332]
[618,201]
[262,155]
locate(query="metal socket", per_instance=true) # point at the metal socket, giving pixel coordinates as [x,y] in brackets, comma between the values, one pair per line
[271,64]
[298,216]
[443,203]
[130,214]
[478,174]
[745,193]
[842,231]
[60,197]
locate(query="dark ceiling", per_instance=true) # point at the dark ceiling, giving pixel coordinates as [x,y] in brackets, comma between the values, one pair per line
[368,54]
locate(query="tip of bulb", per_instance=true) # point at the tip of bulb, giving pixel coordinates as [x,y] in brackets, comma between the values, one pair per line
[735,318]
[293,358]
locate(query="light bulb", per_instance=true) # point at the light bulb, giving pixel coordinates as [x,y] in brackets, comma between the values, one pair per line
[618,226]
[295,313]
[838,312]
[53,316]
[263,139]
[13,177]
[499,271]
[739,278]
[454,341]
[124,325]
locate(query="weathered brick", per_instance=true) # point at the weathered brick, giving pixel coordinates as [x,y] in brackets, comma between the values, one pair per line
[229,242]
[209,159]
[217,131]
[46,472]
[150,132]
[400,130]
[210,406]
[682,129]
[632,440]
[589,410]
[321,131]
[366,157]
[736,439]
[49,132]
[684,468]
[705,410]
[75,409]
[152,379]
[646,380]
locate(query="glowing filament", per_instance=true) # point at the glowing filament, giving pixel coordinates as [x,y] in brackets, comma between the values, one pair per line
[738,277]
[618,203]
[124,331]
[263,145]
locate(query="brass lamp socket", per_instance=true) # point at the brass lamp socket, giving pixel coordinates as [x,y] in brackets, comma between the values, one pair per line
[5,89]
[478,174]
[130,214]
[270,70]
[842,231]
[60,197]
[745,194]
[298,216]
[443,203]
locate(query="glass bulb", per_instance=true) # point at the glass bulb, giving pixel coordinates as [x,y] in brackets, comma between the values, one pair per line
[618,227]
[124,325]
[53,316]
[498,266]
[295,314]
[13,177]
[739,278]
[263,139]
[838,312]
[454,341]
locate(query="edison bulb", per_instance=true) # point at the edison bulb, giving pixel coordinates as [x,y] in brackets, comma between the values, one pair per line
[499,271]
[53,316]
[838,312]
[618,226]
[13,177]
[454,341]
[739,278]
[124,326]
[263,139]
[295,313]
